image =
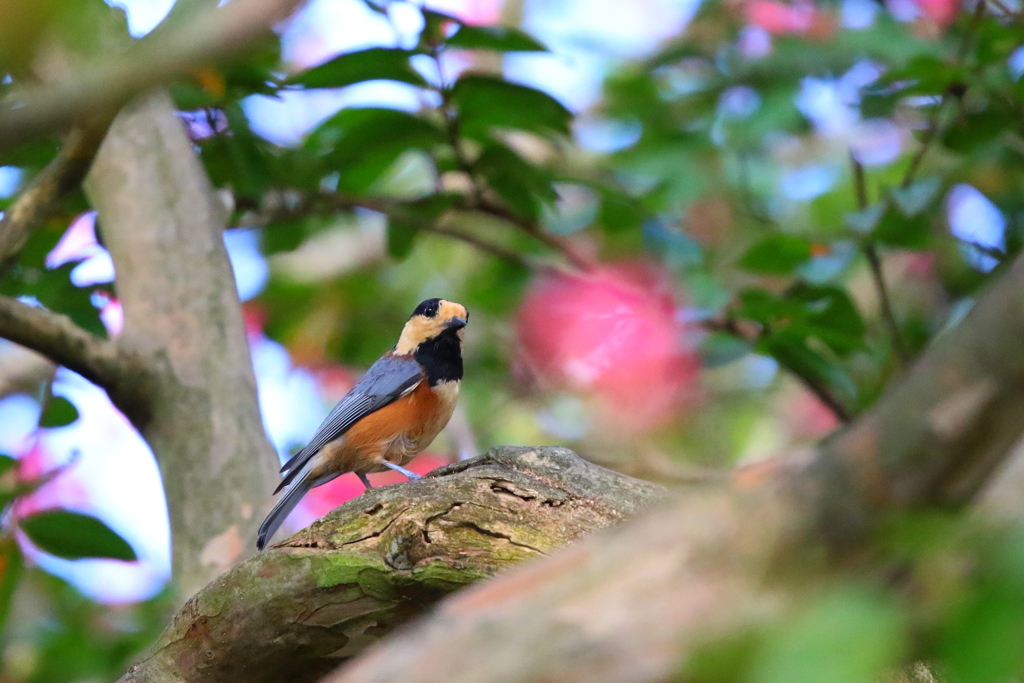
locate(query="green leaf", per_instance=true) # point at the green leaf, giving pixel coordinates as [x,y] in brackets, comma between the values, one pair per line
[830,316]
[487,102]
[373,64]
[59,412]
[619,212]
[401,238]
[792,353]
[776,255]
[498,38]
[865,220]
[7,463]
[524,187]
[897,229]
[11,564]
[238,159]
[404,224]
[720,348]
[361,143]
[917,198]
[928,75]
[52,287]
[677,247]
[807,311]
[853,633]
[73,536]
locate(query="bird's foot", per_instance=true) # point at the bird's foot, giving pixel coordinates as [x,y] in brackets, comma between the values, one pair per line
[398,468]
[366,482]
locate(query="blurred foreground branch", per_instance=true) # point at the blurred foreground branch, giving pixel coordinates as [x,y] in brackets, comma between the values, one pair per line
[295,611]
[637,603]
[212,35]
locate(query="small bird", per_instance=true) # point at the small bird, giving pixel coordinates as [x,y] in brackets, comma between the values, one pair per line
[402,402]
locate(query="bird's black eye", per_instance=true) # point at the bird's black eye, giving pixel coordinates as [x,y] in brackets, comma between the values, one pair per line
[428,308]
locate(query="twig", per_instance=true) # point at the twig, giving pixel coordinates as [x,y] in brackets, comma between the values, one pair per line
[395,210]
[57,337]
[930,133]
[333,202]
[213,35]
[483,245]
[746,193]
[60,177]
[558,244]
[877,274]
[932,127]
[875,261]
[999,5]
[822,391]
[860,185]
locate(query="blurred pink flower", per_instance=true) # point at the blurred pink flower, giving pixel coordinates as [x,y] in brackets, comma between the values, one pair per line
[612,334]
[111,314]
[780,18]
[64,490]
[477,12]
[940,12]
[78,242]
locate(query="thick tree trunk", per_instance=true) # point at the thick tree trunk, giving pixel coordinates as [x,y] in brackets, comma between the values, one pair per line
[163,226]
[295,611]
[634,605]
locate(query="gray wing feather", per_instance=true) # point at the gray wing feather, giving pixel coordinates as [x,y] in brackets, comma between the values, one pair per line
[388,379]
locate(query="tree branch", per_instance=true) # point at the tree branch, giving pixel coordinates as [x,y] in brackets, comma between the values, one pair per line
[101,361]
[636,604]
[751,333]
[294,611]
[877,275]
[325,203]
[211,35]
[553,242]
[61,176]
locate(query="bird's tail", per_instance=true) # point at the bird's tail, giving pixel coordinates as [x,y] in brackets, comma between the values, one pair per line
[287,503]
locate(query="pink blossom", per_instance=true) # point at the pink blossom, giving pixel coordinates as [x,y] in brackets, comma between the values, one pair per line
[614,335]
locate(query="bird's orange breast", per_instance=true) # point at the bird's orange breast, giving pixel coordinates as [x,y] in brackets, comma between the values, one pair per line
[396,432]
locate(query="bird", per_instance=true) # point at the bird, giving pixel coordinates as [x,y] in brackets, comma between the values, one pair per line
[391,414]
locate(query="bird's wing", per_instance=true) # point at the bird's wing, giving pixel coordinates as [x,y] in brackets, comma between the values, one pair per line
[386,380]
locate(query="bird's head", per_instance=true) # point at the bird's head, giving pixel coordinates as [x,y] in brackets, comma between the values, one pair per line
[434,319]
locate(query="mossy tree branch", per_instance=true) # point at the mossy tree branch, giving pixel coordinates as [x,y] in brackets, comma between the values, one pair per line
[297,610]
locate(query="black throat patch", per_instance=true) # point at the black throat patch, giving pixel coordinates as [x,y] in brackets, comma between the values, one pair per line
[441,357]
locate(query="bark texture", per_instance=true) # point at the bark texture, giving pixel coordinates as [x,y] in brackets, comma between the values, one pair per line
[294,612]
[198,409]
[633,605]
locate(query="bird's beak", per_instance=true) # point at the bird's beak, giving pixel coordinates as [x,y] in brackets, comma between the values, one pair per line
[455,323]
